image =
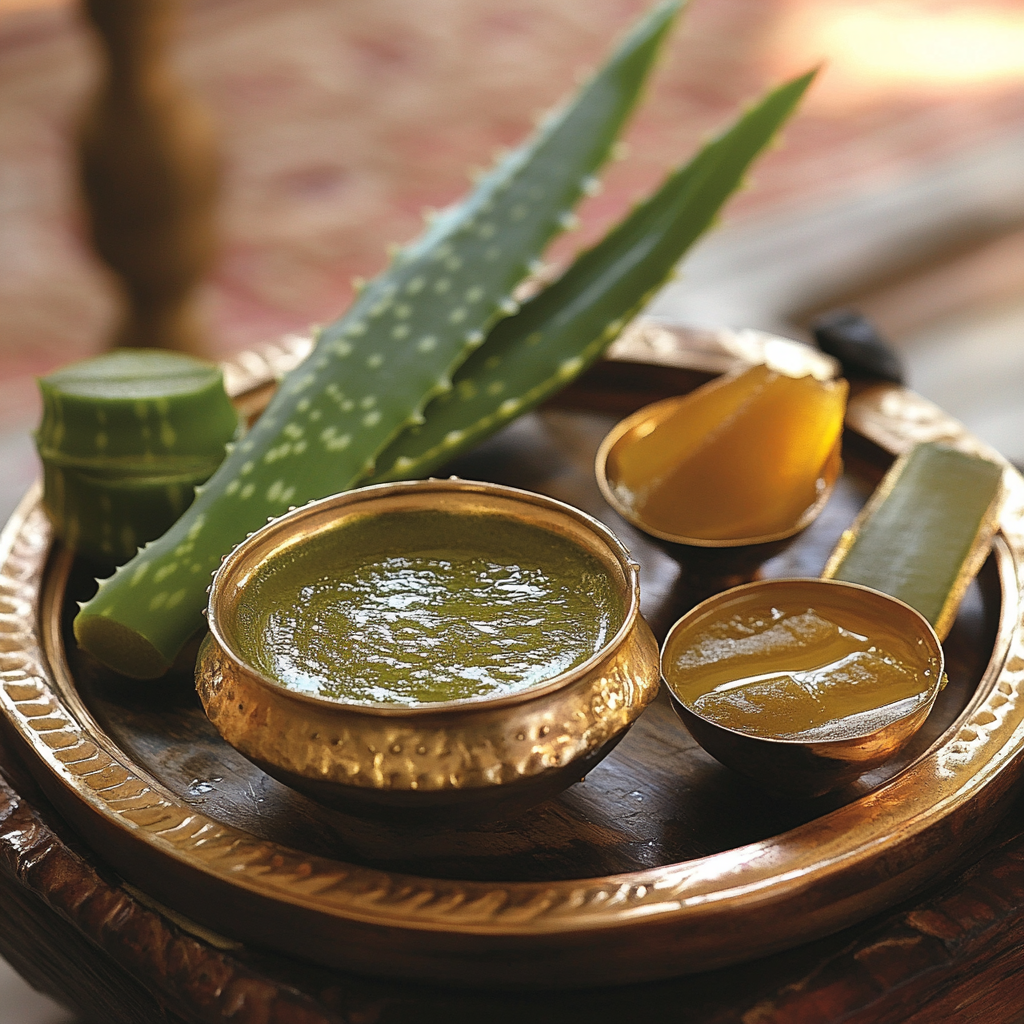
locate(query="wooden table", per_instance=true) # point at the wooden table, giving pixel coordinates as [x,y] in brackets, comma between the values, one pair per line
[78,934]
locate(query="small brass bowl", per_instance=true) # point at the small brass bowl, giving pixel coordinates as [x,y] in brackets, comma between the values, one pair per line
[803,767]
[468,759]
[641,423]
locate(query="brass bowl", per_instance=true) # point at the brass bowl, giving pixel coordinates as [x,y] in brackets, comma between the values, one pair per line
[641,423]
[809,768]
[466,759]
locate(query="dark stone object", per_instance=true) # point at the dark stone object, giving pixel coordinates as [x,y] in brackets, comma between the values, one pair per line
[852,339]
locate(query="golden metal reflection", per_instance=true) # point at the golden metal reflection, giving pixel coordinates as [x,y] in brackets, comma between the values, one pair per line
[652,923]
[808,768]
[469,759]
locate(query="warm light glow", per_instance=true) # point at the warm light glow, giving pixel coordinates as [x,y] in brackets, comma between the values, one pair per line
[908,47]
[9,6]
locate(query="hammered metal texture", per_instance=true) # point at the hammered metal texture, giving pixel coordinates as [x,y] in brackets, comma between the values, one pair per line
[652,923]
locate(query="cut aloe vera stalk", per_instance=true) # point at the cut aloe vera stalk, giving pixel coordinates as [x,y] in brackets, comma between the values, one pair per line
[373,371]
[925,532]
[124,410]
[566,327]
[125,439]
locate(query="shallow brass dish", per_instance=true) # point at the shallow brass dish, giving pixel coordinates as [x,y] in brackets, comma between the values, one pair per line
[803,768]
[464,759]
[595,887]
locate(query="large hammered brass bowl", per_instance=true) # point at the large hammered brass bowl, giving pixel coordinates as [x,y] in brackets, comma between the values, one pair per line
[466,759]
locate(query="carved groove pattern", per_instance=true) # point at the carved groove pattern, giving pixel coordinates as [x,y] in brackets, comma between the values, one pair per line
[982,749]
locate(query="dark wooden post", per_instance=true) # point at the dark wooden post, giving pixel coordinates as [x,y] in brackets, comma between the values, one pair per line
[149,175]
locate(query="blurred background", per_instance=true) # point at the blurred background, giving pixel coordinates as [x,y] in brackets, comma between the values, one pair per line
[897,189]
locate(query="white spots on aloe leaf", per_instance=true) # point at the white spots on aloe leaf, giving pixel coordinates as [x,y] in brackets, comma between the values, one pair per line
[568,221]
[568,368]
[275,490]
[372,418]
[138,574]
[368,402]
[347,406]
[403,311]
[495,387]
[341,348]
[246,446]
[466,390]
[158,601]
[247,492]
[427,343]
[279,451]
[375,361]
[164,571]
[167,434]
[612,329]
[315,415]
[591,185]
[321,362]
[293,430]
[453,437]
[176,598]
[234,485]
[196,528]
[486,230]
[398,333]
[303,405]
[457,315]
[509,407]
[415,286]
[474,339]
[474,294]
[247,467]
[441,285]
[333,441]
[453,263]
[509,306]
[402,464]
[355,329]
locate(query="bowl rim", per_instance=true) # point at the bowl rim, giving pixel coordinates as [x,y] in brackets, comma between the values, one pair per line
[928,632]
[230,565]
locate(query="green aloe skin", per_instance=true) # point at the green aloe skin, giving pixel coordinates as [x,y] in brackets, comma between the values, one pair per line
[405,380]
[374,370]
[561,331]
[125,439]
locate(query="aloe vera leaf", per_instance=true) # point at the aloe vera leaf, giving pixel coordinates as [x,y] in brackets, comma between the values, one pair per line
[566,327]
[372,372]
[925,532]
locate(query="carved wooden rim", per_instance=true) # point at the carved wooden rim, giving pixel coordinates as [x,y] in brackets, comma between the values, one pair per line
[658,922]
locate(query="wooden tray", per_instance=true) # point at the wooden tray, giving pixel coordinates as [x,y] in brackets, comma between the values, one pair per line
[660,863]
